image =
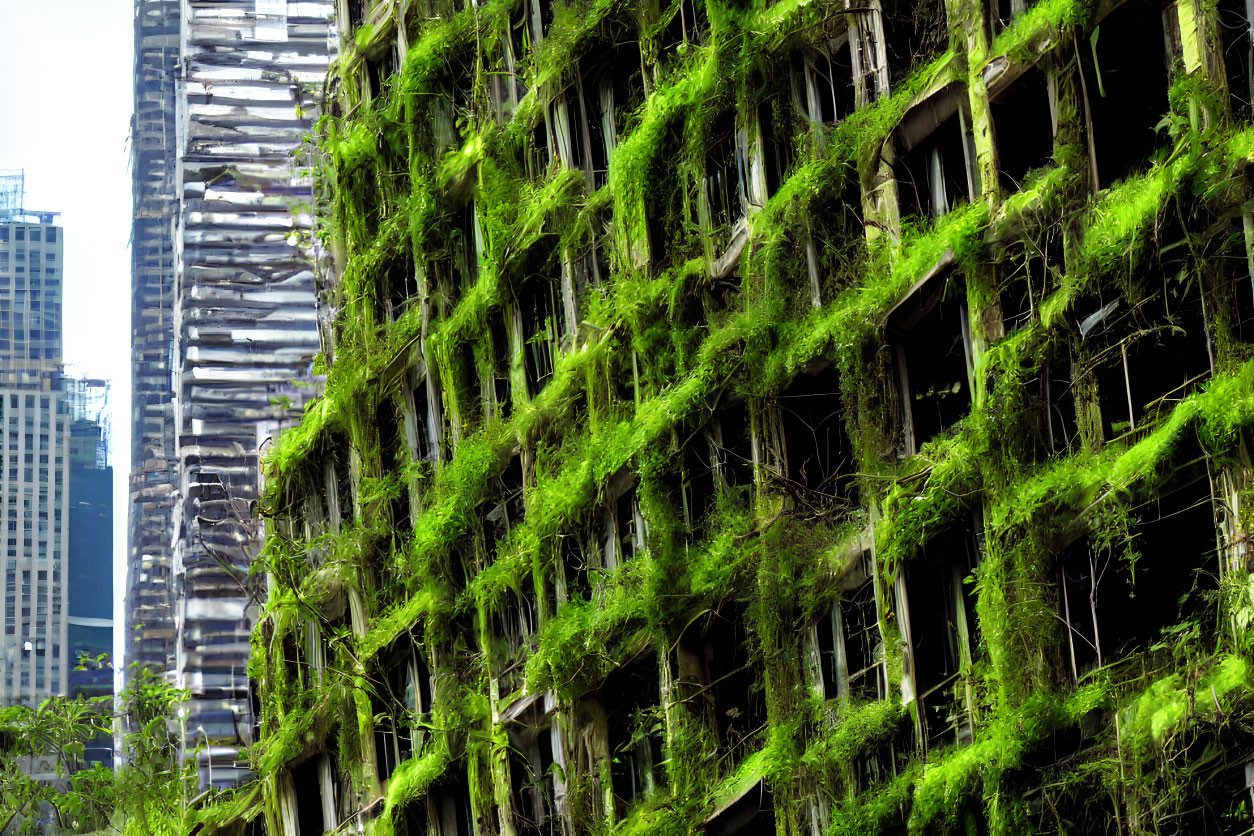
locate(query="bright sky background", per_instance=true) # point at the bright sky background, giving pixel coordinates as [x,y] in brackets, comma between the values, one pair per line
[65,111]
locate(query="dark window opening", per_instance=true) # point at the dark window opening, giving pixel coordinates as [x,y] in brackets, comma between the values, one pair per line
[1238,48]
[773,119]
[543,323]
[388,422]
[421,426]
[730,435]
[254,710]
[1062,431]
[716,660]
[750,815]
[402,705]
[1147,354]
[935,170]
[465,245]
[941,610]
[915,34]
[594,95]
[414,818]
[626,84]
[929,335]
[631,697]
[726,175]
[513,625]
[579,557]
[824,79]
[817,456]
[533,773]
[1127,88]
[308,798]
[343,476]
[450,803]
[1025,129]
[510,510]
[500,394]
[851,651]
[699,485]
[1114,606]
[1025,275]
[402,286]
[628,532]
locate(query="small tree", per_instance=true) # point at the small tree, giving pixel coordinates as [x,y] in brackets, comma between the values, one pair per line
[147,795]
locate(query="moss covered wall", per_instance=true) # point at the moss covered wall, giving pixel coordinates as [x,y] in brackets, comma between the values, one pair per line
[728,475]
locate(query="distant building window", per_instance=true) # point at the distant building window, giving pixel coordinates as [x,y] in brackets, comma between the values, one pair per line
[36,235]
[20,233]
[51,237]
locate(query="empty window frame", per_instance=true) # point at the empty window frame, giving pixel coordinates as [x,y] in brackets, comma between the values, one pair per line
[716,663]
[1113,606]
[774,147]
[339,476]
[850,648]
[823,81]
[916,32]
[1236,38]
[514,623]
[936,156]
[1126,77]
[509,509]
[497,390]
[717,458]
[303,809]
[816,454]
[938,618]
[542,324]
[422,422]
[449,806]
[624,524]
[1146,353]
[1024,121]
[631,699]
[929,335]
[401,285]
[580,553]
[535,758]
[583,124]
[725,195]
[401,702]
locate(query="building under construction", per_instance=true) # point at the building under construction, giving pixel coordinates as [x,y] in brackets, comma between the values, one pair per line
[788,418]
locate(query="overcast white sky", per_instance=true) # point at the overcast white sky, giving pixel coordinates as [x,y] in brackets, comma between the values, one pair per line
[65,111]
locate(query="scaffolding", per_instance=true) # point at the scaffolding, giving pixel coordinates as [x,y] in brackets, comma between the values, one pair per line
[12,188]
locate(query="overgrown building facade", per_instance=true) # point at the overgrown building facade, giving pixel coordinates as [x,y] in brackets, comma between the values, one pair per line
[772,418]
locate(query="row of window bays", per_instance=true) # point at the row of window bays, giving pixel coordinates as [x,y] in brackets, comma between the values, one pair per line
[615,734]
[1126,76]
[1145,351]
[932,155]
